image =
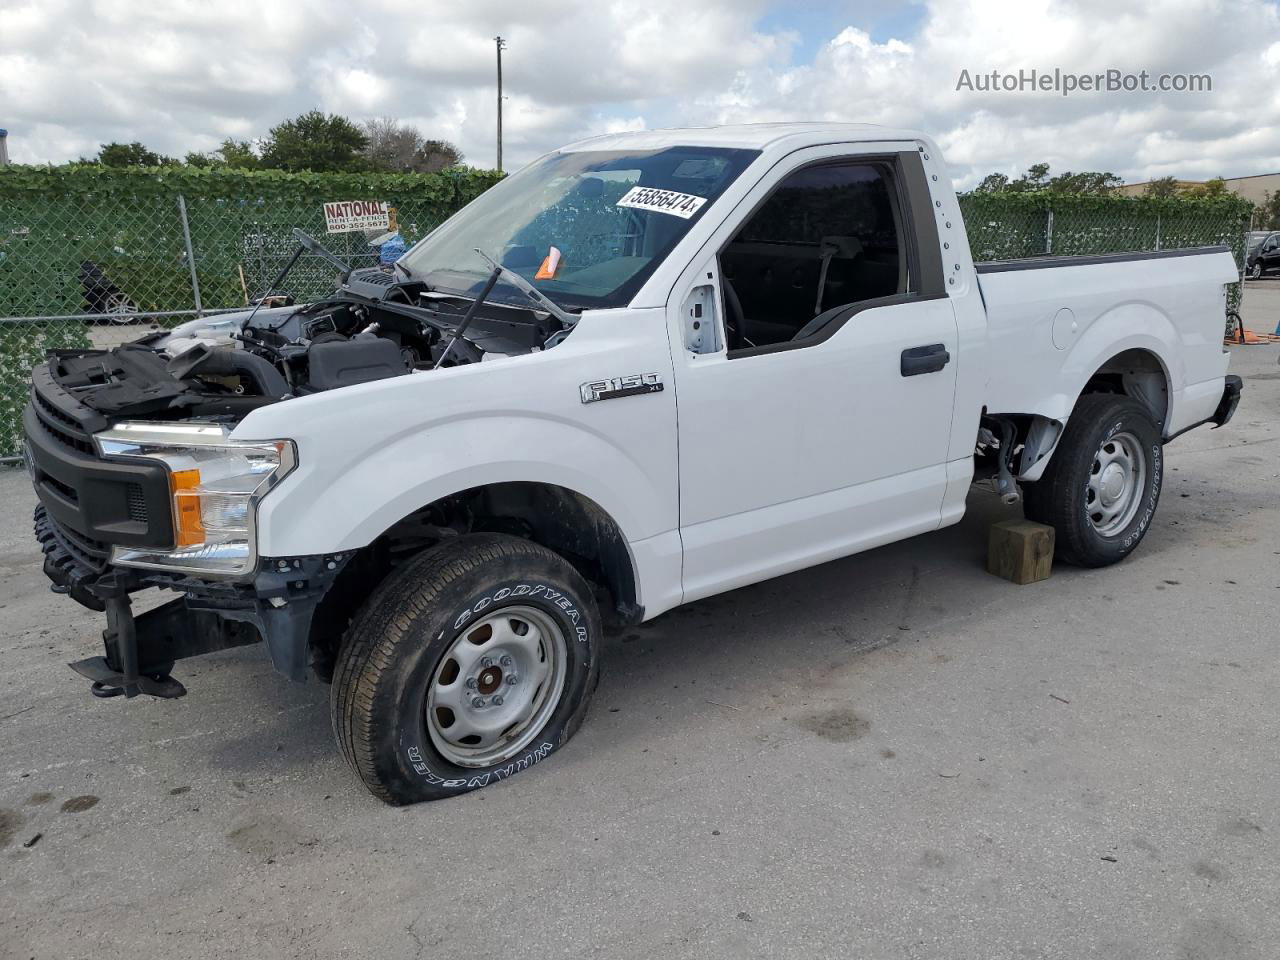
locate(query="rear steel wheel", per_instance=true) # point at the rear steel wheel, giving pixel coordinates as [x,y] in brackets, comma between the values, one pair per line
[1101,486]
[1117,480]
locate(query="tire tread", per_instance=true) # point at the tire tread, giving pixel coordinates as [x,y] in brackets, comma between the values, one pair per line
[1052,499]
[368,652]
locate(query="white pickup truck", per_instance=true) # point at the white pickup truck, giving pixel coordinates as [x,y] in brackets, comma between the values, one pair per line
[647,368]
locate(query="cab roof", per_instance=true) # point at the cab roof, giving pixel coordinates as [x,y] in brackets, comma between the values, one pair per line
[751,136]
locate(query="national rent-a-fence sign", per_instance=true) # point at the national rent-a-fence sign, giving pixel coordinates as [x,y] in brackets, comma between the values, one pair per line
[347,216]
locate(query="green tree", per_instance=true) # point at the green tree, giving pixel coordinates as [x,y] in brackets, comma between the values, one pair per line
[1266,215]
[1162,187]
[1217,187]
[992,183]
[1089,181]
[1037,178]
[324,143]
[233,154]
[437,155]
[130,155]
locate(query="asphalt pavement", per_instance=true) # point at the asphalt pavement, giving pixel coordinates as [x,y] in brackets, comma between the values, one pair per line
[894,755]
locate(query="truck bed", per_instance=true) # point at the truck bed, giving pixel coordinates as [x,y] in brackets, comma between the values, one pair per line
[1052,322]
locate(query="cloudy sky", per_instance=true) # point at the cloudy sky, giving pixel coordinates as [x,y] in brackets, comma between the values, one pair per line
[183,74]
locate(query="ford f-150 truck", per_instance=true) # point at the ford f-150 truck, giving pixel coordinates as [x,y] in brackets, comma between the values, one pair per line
[647,368]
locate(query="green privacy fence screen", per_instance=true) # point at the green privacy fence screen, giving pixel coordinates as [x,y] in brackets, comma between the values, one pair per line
[95,256]
[1004,226]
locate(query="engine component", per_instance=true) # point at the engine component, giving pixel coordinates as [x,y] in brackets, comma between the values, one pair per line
[238,363]
[342,363]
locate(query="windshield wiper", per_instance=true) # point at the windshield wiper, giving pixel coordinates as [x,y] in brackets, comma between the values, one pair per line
[530,291]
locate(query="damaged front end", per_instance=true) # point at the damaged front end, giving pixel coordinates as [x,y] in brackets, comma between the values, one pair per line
[125,506]
[142,483]
[277,603]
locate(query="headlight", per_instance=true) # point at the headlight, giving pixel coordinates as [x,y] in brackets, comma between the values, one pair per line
[215,482]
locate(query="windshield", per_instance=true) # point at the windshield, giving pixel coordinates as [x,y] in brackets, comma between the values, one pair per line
[586,228]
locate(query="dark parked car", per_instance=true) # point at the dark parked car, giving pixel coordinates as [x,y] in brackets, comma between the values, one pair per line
[104,301]
[1263,257]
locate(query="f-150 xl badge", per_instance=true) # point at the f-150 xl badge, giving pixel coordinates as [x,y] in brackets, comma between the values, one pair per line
[630,385]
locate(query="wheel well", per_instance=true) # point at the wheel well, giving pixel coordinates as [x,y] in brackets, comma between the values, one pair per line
[1138,374]
[559,519]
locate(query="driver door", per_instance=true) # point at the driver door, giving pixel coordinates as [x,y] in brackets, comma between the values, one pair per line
[802,440]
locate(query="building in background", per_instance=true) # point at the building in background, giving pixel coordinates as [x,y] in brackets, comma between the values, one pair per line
[1254,189]
[4,147]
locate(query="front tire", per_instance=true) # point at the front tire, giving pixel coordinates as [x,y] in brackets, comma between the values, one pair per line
[1100,490]
[1255,273]
[471,663]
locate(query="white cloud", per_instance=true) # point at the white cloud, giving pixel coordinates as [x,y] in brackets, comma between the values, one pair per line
[1232,130]
[183,74]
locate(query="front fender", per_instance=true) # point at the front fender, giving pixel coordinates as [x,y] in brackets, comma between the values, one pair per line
[328,510]
[371,454]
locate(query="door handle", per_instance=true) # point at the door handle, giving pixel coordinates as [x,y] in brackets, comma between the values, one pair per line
[930,359]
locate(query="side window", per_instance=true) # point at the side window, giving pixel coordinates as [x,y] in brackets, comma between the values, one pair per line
[827,237]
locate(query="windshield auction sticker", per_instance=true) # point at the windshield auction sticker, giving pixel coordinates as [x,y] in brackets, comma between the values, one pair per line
[346,216]
[683,205]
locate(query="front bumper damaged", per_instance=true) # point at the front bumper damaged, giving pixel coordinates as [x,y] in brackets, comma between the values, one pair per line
[276,606]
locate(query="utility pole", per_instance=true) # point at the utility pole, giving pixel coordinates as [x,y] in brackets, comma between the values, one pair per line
[500,44]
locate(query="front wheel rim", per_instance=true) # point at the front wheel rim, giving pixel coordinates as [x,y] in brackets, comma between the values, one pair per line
[496,687]
[1117,483]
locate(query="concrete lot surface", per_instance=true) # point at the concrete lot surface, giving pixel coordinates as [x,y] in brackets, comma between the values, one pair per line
[894,755]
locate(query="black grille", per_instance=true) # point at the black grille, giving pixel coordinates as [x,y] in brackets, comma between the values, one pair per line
[60,426]
[69,493]
[95,501]
[137,503]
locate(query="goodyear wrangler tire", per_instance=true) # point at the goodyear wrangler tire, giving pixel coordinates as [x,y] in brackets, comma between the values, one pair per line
[1100,490]
[471,663]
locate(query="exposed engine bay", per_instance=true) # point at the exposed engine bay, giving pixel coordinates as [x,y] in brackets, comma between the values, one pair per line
[376,325]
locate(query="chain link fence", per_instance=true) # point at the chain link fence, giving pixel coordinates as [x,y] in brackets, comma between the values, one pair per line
[1011,226]
[91,257]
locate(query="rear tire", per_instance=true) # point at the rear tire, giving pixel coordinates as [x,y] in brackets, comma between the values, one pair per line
[471,663]
[1100,490]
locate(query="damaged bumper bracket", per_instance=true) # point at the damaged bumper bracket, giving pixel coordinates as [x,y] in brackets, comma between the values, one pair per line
[141,650]
[277,606]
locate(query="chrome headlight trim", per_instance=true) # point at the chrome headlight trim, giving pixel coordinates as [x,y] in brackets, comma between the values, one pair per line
[165,442]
